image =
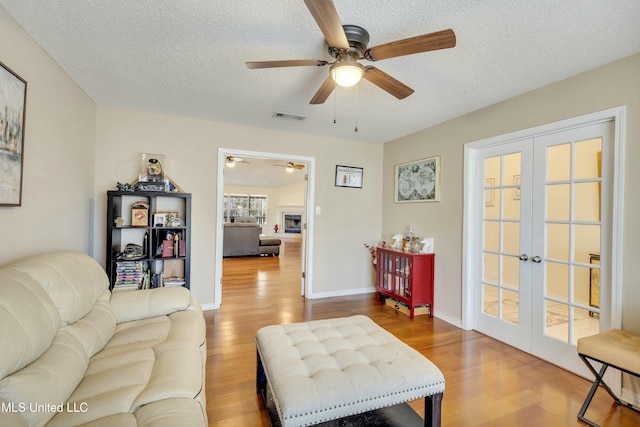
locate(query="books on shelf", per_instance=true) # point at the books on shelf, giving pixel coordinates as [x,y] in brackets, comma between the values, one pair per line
[134,275]
[130,275]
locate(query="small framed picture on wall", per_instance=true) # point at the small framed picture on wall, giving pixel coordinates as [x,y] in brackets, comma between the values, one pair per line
[348,176]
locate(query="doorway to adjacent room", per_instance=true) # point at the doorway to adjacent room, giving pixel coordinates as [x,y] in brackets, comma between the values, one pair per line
[286,181]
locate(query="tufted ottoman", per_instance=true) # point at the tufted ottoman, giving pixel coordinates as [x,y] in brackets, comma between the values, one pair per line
[325,370]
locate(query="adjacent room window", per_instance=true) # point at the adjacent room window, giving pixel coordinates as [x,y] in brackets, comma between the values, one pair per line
[243,207]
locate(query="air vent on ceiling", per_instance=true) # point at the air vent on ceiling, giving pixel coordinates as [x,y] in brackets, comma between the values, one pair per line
[288,116]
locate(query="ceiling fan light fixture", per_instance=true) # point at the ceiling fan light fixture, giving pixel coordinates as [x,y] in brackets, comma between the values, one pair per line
[230,162]
[347,73]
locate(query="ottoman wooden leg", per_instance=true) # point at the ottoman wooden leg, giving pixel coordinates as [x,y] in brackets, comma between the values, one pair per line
[433,410]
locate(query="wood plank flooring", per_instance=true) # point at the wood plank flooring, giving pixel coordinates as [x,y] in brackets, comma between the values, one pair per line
[487,383]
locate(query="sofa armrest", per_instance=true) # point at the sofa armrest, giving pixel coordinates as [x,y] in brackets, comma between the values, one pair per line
[136,305]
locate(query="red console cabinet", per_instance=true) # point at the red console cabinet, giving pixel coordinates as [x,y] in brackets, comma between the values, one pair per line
[405,277]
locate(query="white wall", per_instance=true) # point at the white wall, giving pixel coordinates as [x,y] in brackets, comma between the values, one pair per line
[349,217]
[58,174]
[605,87]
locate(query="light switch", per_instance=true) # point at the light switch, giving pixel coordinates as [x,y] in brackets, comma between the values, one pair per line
[318,210]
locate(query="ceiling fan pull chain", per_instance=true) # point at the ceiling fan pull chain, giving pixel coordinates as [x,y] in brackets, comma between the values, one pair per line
[335,95]
[356,128]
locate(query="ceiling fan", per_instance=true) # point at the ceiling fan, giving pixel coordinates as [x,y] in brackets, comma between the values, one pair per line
[232,161]
[348,45]
[291,166]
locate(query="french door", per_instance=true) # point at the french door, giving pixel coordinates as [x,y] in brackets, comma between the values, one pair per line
[543,240]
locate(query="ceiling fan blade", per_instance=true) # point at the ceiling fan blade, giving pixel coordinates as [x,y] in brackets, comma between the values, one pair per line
[326,16]
[427,42]
[286,63]
[386,82]
[325,90]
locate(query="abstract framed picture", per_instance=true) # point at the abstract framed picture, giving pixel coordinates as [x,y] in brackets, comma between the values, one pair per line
[13,98]
[418,181]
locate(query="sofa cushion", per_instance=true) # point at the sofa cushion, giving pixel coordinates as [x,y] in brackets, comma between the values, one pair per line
[49,380]
[137,368]
[96,328]
[73,280]
[129,306]
[28,321]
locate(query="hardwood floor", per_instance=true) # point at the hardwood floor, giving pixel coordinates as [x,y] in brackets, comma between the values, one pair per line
[487,383]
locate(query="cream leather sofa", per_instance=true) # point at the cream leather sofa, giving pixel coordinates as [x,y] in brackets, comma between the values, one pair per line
[71,353]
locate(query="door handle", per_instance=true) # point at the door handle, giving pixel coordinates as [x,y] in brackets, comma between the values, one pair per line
[524,257]
[536,259]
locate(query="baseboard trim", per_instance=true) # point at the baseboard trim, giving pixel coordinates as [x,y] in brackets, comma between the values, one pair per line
[341,293]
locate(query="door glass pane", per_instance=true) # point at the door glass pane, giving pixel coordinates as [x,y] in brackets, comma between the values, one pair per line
[588,159]
[587,241]
[510,271]
[587,199]
[559,163]
[581,279]
[491,236]
[558,241]
[557,321]
[511,237]
[511,204]
[557,280]
[490,300]
[512,168]
[510,306]
[492,169]
[584,324]
[491,200]
[490,268]
[558,202]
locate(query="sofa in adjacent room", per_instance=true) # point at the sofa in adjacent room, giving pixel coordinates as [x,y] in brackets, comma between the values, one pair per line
[245,239]
[72,353]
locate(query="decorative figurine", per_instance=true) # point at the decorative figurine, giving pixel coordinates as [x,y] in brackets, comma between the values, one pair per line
[124,187]
[397,241]
[275,228]
[428,245]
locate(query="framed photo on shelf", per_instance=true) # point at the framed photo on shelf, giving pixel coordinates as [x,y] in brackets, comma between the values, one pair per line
[13,100]
[159,219]
[418,181]
[348,176]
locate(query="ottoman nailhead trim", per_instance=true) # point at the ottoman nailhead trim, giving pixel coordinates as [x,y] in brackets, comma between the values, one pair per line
[292,416]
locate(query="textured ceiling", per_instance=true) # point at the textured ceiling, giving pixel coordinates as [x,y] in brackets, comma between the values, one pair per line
[187,58]
[256,172]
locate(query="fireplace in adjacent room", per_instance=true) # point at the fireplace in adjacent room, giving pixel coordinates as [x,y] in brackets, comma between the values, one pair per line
[292,223]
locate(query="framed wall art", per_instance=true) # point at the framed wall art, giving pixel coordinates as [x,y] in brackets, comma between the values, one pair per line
[418,181]
[348,176]
[13,99]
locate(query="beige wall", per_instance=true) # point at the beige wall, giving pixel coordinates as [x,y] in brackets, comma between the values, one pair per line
[605,87]
[349,217]
[57,192]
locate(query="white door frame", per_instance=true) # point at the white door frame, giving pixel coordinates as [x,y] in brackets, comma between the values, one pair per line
[308,241]
[470,233]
